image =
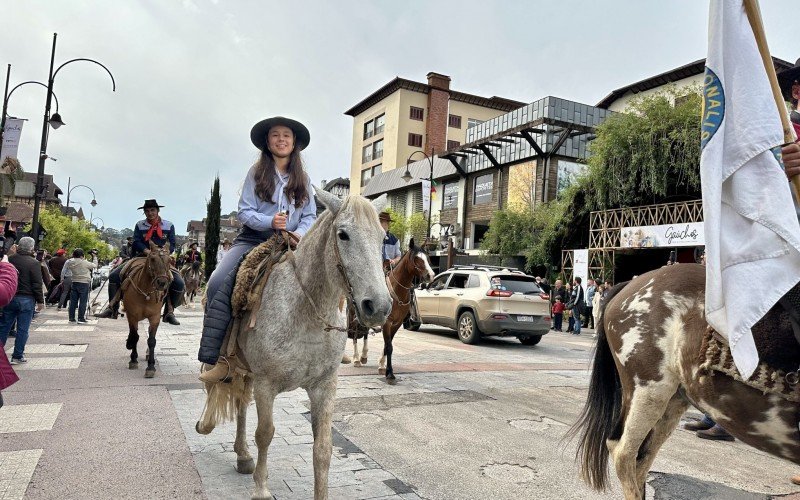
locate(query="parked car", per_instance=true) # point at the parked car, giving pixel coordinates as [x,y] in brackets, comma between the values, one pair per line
[479,301]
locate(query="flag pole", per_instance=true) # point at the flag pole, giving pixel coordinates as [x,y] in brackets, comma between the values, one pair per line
[754,16]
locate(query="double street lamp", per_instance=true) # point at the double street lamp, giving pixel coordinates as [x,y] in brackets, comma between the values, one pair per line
[54,121]
[407,177]
[70,190]
[102,223]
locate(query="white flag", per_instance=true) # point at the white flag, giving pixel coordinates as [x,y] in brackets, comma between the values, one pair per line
[752,234]
[11,135]
[426,196]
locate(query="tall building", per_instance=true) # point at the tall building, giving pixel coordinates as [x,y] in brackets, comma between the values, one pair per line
[405,116]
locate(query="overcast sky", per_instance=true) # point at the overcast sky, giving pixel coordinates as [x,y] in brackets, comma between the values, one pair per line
[193,76]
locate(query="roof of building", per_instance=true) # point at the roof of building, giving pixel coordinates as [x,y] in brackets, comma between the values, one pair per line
[398,83]
[339,181]
[687,70]
[226,222]
[392,180]
[53,191]
[18,212]
[195,225]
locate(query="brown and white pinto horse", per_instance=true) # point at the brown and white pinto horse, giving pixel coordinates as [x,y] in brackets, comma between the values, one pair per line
[646,373]
[414,264]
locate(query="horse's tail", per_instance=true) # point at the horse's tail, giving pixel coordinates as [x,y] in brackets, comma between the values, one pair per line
[224,401]
[600,418]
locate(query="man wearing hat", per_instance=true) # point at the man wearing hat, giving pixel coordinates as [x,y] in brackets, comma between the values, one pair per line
[789,80]
[127,248]
[390,251]
[192,256]
[161,232]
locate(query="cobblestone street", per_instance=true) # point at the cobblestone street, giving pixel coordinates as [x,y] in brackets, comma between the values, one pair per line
[483,421]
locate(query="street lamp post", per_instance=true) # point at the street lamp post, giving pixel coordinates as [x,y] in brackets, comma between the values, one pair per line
[43,148]
[69,191]
[102,222]
[407,177]
[55,121]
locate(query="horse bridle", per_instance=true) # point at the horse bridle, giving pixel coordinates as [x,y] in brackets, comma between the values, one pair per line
[167,274]
[393,278]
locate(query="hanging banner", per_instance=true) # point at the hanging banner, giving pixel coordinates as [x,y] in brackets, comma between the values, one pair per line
[426,195]
[11,136]
[667,235]
[580,266]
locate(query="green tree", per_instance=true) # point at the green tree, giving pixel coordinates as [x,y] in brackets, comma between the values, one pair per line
[213,214]
[398,226]
[62,230]
[417,226]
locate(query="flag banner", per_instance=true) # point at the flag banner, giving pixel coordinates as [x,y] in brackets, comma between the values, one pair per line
[752,235]
[426,196]
[11,135]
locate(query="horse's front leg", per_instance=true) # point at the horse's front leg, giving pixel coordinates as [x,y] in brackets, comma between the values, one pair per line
[364,350]
[150,372]
[244,461]
[130,343]
[322,397]
[265,398]
[388,348]
[356,361]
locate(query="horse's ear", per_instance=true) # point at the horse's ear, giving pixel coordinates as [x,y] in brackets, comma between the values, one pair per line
[380,202]
[411,245]
[152,245]
[331,201]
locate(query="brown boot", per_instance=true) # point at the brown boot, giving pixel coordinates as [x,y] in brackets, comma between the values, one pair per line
[216,373]
[795,479]
[716,433]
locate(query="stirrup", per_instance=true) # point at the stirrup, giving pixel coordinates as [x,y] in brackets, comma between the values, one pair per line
[218,372]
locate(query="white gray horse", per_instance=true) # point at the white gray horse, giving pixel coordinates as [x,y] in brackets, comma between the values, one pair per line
[289,346]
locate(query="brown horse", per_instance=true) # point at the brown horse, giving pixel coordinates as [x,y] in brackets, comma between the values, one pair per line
[143,294]
[192,276]
[412,265]
[647,370]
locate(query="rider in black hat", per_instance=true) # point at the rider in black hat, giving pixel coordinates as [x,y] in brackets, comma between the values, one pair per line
[789,80]
[161,232]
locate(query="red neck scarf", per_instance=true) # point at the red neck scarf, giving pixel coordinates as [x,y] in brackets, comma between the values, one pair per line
[154,228]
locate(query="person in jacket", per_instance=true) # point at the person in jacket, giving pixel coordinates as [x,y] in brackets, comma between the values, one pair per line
[28,298]
[591,287]
[127,248]
[390,250]
[162,233]
[81,270]
[56,265]
[224,249]
[277,196]
[578,300]
[66,286]
[8,288]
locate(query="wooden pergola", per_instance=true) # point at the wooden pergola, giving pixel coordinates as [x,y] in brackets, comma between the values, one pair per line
[605,229]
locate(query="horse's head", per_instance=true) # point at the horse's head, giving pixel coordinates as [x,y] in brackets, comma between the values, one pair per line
[158,266]
[357,238]
[196,266]
[417,264]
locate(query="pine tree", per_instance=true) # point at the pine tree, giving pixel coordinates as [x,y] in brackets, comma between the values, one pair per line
[213,214]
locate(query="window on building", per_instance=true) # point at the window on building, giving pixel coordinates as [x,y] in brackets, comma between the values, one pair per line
[376,169]
[416,201]
[380,123]
[366,154]
[398,203]
[366,175]
[482,190]
[417,113]
[453,144]
[454,121]
[471,122]
[415,140]
[568,173]
[450,195]
[377,149]
[479,230]
[369,129]
[24,189]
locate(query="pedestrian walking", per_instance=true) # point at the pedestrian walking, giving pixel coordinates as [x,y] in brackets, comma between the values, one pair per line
[66,286]
[8,288]
[81,284]
[28,298]
[578,302]
[591,288]
[568,309]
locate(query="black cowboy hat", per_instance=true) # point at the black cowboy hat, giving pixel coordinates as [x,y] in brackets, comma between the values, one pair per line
[193,244]
[787,77]
[150,204]
[258,134]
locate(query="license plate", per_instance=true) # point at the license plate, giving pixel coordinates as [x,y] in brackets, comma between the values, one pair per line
[525,318]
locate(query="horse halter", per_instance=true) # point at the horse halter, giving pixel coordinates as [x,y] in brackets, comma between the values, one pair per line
[153,283]
[392,278]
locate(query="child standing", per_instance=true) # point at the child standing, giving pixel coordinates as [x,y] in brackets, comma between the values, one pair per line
[558,314]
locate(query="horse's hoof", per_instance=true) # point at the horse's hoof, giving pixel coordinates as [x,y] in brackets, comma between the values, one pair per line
[202,430]
[357,363]
[263,496]
[381,371]
[391,381]
[133,365]
[150,373]
[245,465]
[346,360]
[363,361]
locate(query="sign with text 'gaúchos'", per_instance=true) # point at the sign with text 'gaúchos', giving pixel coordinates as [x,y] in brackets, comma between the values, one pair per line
[11,135]
[688,234]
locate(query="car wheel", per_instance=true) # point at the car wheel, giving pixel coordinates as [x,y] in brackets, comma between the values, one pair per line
[530,339]
[468,331]
[411,325]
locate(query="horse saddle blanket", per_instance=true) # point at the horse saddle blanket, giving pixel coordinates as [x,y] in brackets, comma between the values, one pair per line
[253,273]
[778,350]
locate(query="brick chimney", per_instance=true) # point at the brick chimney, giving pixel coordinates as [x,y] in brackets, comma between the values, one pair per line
[436,125]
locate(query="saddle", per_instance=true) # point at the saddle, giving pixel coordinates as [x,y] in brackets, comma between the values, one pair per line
[778,351]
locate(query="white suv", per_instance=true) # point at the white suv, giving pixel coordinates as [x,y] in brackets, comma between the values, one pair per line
[485,300]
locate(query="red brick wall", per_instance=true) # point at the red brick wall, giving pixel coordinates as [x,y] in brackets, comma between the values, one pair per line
[436,123]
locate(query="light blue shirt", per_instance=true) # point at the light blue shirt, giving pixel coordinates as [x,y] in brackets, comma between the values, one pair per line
[258,214]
